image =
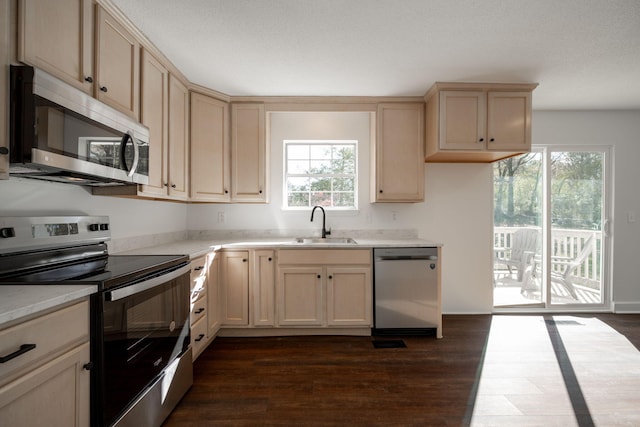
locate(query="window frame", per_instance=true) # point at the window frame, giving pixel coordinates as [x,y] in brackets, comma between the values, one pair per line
[309,142]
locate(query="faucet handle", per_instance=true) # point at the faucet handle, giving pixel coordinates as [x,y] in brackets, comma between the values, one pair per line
[328,231]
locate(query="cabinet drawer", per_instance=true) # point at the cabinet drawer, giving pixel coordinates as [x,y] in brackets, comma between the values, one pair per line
[199,338]
[52,334]
[198,309]
[324,256]
[198,273]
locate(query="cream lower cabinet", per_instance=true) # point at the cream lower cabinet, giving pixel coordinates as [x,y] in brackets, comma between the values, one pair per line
[198,306]
[234,274]
[262,286]
[324,287]
[48,385]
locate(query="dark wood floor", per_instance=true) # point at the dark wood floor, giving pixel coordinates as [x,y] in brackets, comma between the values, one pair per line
[345,381]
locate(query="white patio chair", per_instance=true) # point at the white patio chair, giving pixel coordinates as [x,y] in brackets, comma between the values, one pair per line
[569,266]
[524,245]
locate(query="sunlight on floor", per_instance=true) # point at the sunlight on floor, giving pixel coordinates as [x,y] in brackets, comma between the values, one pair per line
[557,371]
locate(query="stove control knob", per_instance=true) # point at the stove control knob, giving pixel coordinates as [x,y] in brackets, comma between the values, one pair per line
[94,227]
[104,227]
[7,232]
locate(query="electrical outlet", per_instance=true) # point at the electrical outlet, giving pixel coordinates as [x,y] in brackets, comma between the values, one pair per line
[221,217]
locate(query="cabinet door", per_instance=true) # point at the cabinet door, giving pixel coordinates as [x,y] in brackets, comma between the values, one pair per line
[213,294]
[55,394]
[462,120]
[4,95]
[248,153]
[210,151]
[399,165]
[235,288]
[509,121]
[263,288]
[300,296]
[57,37]
[349,296]
[154,114]
[117,65]
[178,137]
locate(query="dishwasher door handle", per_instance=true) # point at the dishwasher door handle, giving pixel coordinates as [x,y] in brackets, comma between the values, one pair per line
[407,258]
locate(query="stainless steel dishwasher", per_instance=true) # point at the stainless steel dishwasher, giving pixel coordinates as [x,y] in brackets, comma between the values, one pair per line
[406,292]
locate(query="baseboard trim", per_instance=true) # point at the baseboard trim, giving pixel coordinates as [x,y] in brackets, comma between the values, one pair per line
[631,307]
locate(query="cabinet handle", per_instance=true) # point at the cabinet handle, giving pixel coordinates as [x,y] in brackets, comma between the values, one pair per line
[103,89]
[199,338]
[4,150]
[88,79]
[200,310]
[87,366]
[198,268]
[23,349]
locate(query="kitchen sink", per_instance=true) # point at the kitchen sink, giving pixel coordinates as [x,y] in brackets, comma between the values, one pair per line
[325,241]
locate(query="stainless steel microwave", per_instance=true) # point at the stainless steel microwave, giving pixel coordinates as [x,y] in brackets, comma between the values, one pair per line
[59,133]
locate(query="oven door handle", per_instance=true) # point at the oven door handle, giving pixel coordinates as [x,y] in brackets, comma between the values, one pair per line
[126,291]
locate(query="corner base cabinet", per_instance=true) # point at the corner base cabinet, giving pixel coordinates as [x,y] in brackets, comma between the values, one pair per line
[477,122]
[48,384]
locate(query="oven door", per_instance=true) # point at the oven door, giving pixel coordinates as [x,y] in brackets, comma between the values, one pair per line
[145,326]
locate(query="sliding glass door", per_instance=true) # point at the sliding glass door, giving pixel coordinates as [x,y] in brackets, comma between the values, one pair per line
[550,228]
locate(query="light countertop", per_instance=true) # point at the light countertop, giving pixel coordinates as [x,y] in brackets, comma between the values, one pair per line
[196,248]
[22,300]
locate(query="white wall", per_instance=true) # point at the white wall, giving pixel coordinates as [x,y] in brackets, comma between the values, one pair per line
[129,218]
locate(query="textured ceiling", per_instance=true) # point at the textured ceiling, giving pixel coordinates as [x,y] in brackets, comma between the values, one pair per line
[585,54]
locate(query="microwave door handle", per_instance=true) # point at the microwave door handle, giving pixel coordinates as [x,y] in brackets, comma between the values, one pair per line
[136,153]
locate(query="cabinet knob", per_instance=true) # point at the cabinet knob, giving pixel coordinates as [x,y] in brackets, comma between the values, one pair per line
[260,191]
[244,260]
[481,139]
[173,186]
[319,276]
[380,191]
[165,184]
[330,277]
[4,150]
[226,191]
[88,366]
[88,79]
[492,139]
[103,89]
[270,258]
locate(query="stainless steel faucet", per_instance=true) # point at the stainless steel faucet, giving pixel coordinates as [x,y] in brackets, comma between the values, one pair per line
[324,217]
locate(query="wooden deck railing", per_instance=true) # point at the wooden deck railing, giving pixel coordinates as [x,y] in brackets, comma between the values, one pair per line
[565,243]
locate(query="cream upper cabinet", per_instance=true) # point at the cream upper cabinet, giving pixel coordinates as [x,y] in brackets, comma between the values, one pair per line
[398,168]
[249,167]
[154,113]
[234,300]
[117,65]
[178,139]
[4,95]
[57,37]
[210,149]
[263,270]
[475,122]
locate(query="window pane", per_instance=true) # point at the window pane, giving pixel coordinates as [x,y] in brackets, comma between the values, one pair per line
[297,184]
[321,184]
[298,200]
[298,167]
[321,199]
[320,152]
[295,151]
[320,167]
[343,184]
[343,199]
